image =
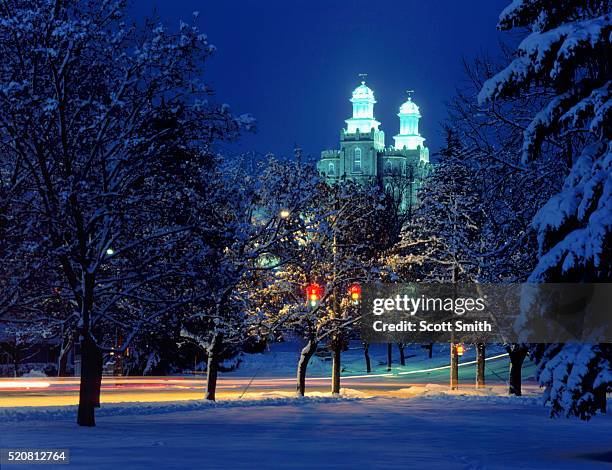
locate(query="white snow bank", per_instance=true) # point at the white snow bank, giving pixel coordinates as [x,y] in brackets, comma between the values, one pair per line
[35,373]
[428,432]
[52,413]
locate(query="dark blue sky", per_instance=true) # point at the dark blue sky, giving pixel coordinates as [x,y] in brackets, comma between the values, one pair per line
[293,63]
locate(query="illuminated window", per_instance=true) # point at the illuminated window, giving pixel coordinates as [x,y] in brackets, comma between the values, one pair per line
[331,169]
[357,161]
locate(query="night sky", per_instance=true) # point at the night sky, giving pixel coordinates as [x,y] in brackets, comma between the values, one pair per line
[292,64]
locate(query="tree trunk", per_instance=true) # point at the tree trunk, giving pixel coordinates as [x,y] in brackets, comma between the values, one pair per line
[91,358]
[402,355]
[91,380]
[16,361]
[366,353]
[517,355]
[454,367]
[98,377]
[307,353]
[62,360]
[480,365]
[212,368]
[389,356]
[336,366]
[600,399]
[118,369]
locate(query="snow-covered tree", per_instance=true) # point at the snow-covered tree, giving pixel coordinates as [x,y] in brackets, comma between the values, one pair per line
[512,190]
[20,342]
[255,218]
[335,247]
[567,48]
[438,243]
[101,124]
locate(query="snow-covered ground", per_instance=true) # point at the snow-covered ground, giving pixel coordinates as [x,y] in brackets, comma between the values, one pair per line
[272,375]
[426,433]
[423,424]
[282,358]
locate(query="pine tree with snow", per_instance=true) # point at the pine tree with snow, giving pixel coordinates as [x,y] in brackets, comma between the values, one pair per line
[568,49]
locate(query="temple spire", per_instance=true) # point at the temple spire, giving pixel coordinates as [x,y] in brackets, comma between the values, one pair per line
[409,115]
[363,101]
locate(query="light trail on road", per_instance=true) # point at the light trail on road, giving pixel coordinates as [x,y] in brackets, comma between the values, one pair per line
[60,391]
[409,372]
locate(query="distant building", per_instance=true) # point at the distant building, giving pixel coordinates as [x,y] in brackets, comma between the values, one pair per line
[363,156]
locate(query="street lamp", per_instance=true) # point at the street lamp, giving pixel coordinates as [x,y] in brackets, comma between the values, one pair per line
[110,252]
[284,213]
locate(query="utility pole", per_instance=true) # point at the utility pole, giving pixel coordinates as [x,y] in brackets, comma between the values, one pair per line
[454,356]
[454,367]
[336,364]
[335,341]
[454,359]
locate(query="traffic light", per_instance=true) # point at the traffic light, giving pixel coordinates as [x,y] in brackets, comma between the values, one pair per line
[355,293]
[460,349]
[314,293]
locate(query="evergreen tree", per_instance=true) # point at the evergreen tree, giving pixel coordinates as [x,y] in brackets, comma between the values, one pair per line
[568,49]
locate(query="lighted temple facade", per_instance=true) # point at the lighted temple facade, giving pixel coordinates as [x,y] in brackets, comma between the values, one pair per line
[363,156]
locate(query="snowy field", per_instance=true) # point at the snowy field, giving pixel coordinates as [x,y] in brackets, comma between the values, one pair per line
[424,433]
[281,359]
[424,425]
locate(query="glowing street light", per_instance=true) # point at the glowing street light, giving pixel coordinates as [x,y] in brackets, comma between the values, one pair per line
[110,252]
[284,213]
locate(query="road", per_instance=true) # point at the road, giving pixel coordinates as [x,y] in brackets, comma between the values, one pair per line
[402,382]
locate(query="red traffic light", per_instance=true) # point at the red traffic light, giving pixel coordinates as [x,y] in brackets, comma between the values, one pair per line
[355,292]
[314,293]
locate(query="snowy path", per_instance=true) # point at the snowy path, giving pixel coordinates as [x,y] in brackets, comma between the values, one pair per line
[429,433]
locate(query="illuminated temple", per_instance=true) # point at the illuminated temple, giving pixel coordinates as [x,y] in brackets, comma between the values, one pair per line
[364,157]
